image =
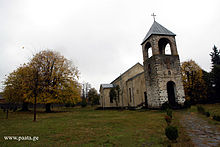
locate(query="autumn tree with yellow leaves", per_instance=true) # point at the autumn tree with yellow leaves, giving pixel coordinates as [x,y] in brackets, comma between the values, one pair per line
[193,82]
[49,77]
[15,87]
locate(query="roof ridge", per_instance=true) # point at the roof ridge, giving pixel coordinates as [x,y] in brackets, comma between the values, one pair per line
[157,29]
[127,71]
[135,76]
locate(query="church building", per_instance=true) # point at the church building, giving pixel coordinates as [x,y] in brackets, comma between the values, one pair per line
[157,81]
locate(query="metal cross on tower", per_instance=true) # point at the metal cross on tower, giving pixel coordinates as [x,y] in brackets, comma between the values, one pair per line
[153,16]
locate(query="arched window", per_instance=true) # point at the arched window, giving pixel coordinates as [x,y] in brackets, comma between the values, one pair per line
[148,50]
[164,46]
[150,54]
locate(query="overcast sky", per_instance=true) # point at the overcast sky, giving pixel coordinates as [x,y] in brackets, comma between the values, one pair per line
[102,37]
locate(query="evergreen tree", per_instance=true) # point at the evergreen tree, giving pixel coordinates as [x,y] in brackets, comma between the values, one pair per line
[215,73]
[215,56]
[207,77]
[216,81]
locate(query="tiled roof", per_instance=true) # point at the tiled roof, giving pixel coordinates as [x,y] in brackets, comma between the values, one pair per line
[1,97]
[157,29]
[107,85]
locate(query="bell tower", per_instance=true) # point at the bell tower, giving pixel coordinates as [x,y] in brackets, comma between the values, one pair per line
[162,67]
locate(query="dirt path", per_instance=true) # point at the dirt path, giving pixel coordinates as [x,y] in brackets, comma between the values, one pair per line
[200,131]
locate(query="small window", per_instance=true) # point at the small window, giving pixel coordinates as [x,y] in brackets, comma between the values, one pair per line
[169,72]
[111,100]
[130,94]
[118,97]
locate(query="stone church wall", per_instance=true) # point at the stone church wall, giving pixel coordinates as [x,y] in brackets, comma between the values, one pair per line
[121,81]
[158,81]
[135,90]
[105,98]
[164,68]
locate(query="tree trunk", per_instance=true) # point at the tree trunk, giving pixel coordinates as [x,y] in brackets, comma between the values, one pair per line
[48,107]
[7,114]
[116,101]
[35,106]
[25,106]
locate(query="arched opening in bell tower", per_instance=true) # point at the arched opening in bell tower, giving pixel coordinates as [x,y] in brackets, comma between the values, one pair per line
[168,49]
[164,46]
[148,50]
[171,92]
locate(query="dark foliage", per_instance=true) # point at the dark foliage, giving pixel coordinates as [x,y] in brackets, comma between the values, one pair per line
[168,119]
[208,78]
[215,73]
[25,106]
[207,114]
[171,132]
[48,107]
[93,96]
[201,109]
[216,117]
[169,113]
[83,103]
[216,81]
[215,56]
[187,104]
[114,94]
[165,106]
[69,105]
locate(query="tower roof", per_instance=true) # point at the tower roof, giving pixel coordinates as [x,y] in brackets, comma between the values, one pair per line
[157,29]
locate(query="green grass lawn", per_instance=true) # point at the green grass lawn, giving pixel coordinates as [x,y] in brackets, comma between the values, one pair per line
[213,109]
[87,127]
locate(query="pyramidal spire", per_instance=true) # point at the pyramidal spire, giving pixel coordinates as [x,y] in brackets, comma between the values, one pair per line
[157,29]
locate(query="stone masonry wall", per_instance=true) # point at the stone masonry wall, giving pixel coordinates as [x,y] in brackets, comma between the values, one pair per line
[137,86]
[121,81]
[163,68]
[160,69]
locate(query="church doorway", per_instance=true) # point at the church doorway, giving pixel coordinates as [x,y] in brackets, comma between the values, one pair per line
[171,91]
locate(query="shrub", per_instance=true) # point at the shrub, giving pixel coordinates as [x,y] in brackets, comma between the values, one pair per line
[165,106]
[216,117]
[187,104]
[73,105]
[67,105]
[168,119]
[83,103]
[171,133]
[170,113]
[207,114]
[200,109]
